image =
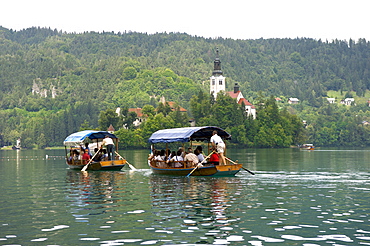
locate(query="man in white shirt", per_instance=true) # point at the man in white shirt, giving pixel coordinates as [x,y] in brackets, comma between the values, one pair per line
[219,145]
[190,156]
[108,142]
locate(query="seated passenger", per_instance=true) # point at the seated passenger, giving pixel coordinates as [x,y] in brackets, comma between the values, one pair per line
[199,155]
[98,156]
[152,154]
[169,155]
[182,152]
[70,155]
[104,155]
[86,156]
[75,155]
[214,159]
[157,156]
[175,160]
[190,156]
[163,155]
[87,148]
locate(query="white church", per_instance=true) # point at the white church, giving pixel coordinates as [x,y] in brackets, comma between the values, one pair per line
[217,84]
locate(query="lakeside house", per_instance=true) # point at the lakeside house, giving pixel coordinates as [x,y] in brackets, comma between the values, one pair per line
[293,100]
[348,101]
[331,100]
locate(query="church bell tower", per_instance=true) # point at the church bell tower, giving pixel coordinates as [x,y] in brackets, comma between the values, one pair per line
[217,80]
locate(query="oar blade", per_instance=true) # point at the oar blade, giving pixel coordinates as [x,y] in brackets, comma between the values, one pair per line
[248,171]
[131,166]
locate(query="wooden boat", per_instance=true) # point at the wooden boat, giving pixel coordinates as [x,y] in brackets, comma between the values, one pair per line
[190,134]
[75,140]
[307,147]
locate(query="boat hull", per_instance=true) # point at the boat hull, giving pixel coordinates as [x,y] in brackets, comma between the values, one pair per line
[100,166]
[207,170]
[307,147]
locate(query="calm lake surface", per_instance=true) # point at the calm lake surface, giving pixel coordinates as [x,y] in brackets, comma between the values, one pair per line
[297,197]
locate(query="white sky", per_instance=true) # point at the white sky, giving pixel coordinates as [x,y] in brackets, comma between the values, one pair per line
[237,19]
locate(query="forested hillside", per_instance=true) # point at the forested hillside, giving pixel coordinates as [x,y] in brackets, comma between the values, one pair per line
[54,83]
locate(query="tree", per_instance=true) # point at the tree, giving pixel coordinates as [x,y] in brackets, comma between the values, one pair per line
[148,110]
[41,141]
[155,123]
[129,73]
[165,109]
[225,112]
[129,120]
[85,126]
[108,117]
[180,119]
[130,138]
[200,106]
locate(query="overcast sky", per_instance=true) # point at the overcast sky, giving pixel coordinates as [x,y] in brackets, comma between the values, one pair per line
[237,19]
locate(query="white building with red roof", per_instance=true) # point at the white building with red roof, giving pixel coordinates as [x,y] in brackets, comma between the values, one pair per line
[217,84]
[250,109]
[140,116]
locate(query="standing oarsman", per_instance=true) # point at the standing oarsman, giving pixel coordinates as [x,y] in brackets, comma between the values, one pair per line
[219,145]
[108,142]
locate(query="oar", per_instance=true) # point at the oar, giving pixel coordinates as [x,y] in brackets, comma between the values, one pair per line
[242,166]
[131,166]
[199,164]
[86,166]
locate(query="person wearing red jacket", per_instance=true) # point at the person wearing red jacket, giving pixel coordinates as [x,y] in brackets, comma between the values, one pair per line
[86,156]
[214,159]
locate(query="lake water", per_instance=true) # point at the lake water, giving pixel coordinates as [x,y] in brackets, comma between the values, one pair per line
[296,197]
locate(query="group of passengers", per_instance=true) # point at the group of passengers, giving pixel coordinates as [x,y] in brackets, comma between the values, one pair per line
[176,159]
[179,157]
[83,154]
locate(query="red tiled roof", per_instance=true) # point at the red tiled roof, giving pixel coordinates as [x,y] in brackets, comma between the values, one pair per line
[137,111]
[246,102]
[111,128]
[173,107]
[233,94]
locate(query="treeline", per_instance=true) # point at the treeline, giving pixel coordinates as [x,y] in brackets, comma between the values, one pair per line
[55,83]
[273,127]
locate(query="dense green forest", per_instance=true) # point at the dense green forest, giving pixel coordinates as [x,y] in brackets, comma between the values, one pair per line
[54,83]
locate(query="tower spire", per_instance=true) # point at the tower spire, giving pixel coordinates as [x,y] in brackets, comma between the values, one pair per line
[217,65]
[217,80]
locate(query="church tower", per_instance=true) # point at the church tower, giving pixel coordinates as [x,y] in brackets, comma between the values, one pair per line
[217,80]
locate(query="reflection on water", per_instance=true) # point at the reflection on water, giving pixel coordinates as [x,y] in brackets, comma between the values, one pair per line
[199,202]
[92,188]
[295,198]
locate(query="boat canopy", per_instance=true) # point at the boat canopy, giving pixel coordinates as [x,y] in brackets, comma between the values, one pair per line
[187,134]
[79,138]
